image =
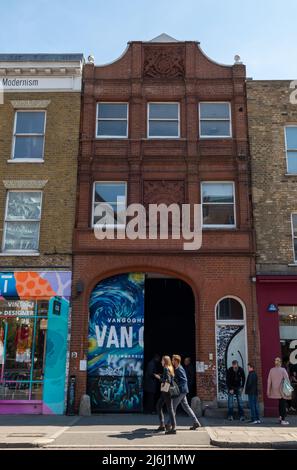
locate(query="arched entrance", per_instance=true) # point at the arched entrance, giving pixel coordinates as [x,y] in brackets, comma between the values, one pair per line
[133,316]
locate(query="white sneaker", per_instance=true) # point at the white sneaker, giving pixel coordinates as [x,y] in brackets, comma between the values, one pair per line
[255,422]
[258,422]
[284,423]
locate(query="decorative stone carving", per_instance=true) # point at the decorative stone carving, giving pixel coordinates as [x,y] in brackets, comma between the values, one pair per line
[164,63]
[30,104]
[162,191]
[24,184]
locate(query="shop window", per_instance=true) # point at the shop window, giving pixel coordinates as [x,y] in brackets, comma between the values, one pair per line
[22,221]
[23,330]
[112,120]
[218,204]
[163,120]
[215,120]
[29,132]
[294,230]
[114,197]
[291,148]
[288,338]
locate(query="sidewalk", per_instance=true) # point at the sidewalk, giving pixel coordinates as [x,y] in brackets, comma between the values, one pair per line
[136,431]
[109,431]
[267,435]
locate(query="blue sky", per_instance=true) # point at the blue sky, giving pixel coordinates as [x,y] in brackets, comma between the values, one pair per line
[262,32]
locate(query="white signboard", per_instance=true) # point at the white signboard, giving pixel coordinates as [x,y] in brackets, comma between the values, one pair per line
[21,83]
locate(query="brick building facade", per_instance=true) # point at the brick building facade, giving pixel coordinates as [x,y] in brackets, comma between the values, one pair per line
[134,145]
[272,114]
[39,138]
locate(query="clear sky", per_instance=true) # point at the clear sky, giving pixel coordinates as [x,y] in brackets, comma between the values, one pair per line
[262,32]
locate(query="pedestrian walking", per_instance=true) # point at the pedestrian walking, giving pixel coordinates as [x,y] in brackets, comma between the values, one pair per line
[235,381]
[277,376]
[251,390]
[181,399]
[151,384]
[167,382]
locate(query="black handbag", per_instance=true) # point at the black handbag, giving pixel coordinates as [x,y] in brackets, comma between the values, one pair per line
[174,390]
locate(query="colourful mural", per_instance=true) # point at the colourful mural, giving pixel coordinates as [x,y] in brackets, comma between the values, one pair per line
[35,302]
[115,354]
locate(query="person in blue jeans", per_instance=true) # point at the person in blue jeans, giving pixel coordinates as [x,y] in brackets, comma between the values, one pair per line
[251,389]
[235,381]
[182,382]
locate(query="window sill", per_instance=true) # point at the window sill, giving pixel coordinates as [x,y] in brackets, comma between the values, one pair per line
[17,253]
[293,264]
[25,160]
[219,227]
[219,137]
[291,174]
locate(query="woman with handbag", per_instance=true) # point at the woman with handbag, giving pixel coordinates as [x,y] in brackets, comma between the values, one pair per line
[278,388]
[167,385]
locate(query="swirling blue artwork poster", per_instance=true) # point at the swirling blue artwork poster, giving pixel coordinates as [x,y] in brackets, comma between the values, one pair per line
[115,351]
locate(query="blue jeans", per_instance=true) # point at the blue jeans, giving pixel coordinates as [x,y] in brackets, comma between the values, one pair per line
[237,395]
[254,407]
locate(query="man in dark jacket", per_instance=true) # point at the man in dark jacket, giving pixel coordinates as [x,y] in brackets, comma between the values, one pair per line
[151,384]
[190,371]
[251,389]
[235,381]
[181,379]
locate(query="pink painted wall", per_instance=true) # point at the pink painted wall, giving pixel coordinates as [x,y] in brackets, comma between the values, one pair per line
[279,290]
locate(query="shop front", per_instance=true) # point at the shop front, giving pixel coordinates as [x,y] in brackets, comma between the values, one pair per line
[277,301]
[34,313]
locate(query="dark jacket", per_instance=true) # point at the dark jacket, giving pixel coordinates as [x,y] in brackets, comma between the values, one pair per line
[235,379]
[190,371]
[166,376]
[251,387]
[181,379]
[151,384]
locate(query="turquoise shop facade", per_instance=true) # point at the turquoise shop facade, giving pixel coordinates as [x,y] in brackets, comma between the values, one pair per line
[34,328]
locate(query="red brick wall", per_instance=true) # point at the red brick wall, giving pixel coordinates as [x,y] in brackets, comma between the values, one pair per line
[225,264]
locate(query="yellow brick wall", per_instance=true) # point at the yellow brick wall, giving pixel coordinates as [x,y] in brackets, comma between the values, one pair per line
[59,168]
[274,193]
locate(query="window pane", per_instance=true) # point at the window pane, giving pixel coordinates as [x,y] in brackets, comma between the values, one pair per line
[217,192]
[214,110]
[39,350]
[295,248]
[112,128]
[215,128]
[163,129]
[163,111]
[218,214]
[292,162]
[36,391]
[28,147]
[229,309]
[291,137]
[30,123]
[21,236]
[14,390]
[112,110]
[18,358]
[109,192]
[23,205]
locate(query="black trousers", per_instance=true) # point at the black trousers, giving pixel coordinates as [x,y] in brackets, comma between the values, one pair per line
[282,406]
[150,402]
[165,399]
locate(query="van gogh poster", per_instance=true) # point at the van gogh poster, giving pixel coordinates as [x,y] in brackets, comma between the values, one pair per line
[115,351]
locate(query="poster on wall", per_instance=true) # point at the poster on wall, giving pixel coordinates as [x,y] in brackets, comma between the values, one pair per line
[230,346]
[115,350]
